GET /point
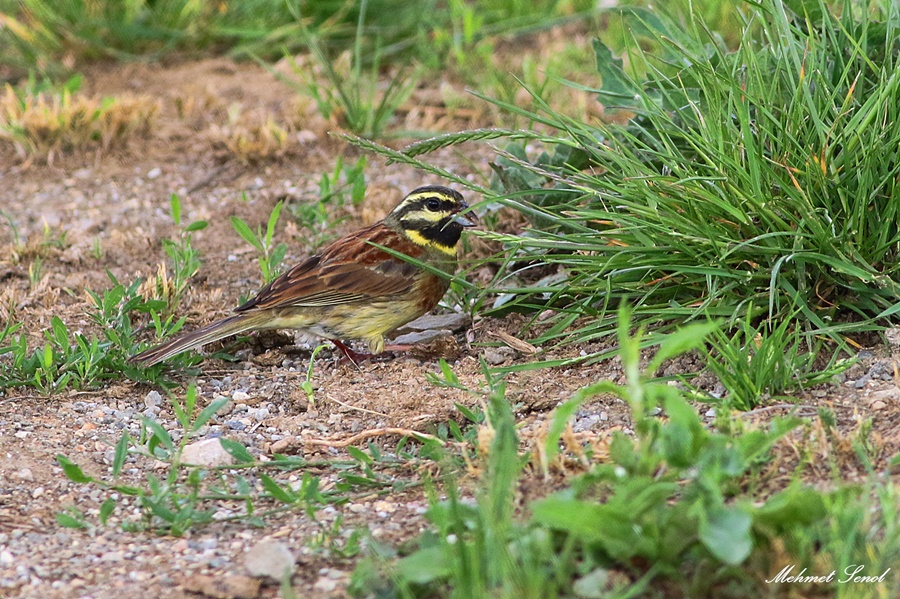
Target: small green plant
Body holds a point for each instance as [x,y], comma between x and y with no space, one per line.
[185,260]
[35,272]
[74,360]
[344,186]
[331,540]
[760,362]
[354,94]
[97,249]
[270,255]
[307,384]
[186,495]
[673,509]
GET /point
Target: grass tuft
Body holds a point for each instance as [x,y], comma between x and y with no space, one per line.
[762,176]
[46,122]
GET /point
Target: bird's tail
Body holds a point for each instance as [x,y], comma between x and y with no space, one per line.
[214,331]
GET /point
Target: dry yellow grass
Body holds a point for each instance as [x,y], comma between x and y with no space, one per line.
[39,125]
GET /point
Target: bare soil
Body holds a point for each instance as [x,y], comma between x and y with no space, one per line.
[119,199]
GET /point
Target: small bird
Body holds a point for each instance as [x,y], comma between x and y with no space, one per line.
[353,289]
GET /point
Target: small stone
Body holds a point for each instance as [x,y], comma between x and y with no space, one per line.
[271,559]
[208,453]
[385,506]
[452,322]
[419,337]
[284,444]
[37,492]
[22,434]
[877,405]
[153,399]
[604,416]
[889,394]
[153,173]
[497,355]
[7,558]
[240,396]
[228,586]
[112,556]
[25,474]
[326,584]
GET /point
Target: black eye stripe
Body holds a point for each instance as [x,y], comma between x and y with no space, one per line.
[431,205]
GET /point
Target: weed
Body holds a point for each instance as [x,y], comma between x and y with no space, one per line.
[35,272]
[352,91]
[307,384]
[43,123]
[669,510]
[97,249]
[759,362]
[185,261]
[72,359]
[270,256]
[736,181]
[187,496]
[344,187]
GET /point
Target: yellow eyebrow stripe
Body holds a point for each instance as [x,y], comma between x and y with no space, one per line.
[420,239]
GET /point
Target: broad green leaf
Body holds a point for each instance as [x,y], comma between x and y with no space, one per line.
[237,451]
[159,433]
[197,225]
[246,232]
[121,454]
[208,412]
[425,566]
[278,492]
[175,203]
[273,219]
[106,509]
[359,455]
[725,532]
[72,471]
[69,521]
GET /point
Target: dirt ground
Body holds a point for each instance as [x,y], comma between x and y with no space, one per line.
[120,199]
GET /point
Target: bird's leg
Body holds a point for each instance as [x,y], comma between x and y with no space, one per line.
[351,355]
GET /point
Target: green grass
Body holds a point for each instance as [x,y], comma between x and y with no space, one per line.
[72,360]
[47,37]
[182,496]
[760,180]
[676,510]
[270,256]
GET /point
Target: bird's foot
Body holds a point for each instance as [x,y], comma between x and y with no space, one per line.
[355,358]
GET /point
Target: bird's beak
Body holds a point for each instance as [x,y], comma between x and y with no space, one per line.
[468,219]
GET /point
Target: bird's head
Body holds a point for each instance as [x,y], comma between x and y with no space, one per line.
[430,216]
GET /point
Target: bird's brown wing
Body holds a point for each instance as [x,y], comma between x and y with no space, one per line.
[348,270]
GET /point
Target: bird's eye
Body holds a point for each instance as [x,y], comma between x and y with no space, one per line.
[433,204]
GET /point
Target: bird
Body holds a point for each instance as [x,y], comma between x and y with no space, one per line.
[354,289]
